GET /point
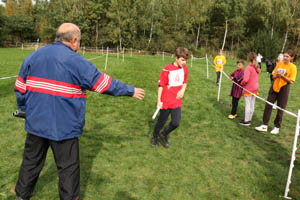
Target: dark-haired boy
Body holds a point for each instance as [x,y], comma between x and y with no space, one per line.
[171,87]
[236,91]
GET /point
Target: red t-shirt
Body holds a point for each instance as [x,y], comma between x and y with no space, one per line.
[171,79]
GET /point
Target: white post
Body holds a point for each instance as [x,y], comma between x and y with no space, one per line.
[130,52]
[22,46]
[220,82]
[36,46]
[123,54]
[206,66]
[106,59]
[102,50]
[38,42]
[96,49]
[287,188]
[163,57]
[192,60]
[118,52]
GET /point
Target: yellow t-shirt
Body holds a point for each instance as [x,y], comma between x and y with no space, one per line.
[219,62]
[289,71]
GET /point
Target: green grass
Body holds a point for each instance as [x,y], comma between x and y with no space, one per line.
[210,156]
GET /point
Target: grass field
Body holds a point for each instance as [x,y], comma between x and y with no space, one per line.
[210,157]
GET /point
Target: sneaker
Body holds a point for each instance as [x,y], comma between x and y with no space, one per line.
[154,142]
[243,123]
[232,116]
[275,131]
[164,140]
[262,128]
[274,107]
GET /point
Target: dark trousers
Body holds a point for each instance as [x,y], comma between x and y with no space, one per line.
[163,117]
[282,99]
[66,155]
[235,103]
[218,76]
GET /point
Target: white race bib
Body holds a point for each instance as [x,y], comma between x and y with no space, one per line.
[176,77]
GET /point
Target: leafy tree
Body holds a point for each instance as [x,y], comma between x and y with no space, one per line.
[10,8]
[21,28]
[3,33]
[267,46]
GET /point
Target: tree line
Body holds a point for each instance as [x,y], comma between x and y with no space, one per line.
[240,26]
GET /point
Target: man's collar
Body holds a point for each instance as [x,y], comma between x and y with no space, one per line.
[61,43]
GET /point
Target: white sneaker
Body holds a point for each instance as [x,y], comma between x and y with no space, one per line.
[274,107]
[275,131]
[262,128]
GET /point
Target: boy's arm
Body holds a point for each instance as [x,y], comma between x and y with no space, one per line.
[240,77]
[159,104]
[181,92]
[232,75]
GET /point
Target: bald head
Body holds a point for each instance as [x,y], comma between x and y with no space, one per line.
[67,31]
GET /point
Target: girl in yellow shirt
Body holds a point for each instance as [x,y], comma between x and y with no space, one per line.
[219,62]
[284,75]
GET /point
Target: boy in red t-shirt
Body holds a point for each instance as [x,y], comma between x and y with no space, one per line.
[171,87]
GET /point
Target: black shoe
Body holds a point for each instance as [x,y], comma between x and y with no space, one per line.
[164,140]
[154,142]
[243,123]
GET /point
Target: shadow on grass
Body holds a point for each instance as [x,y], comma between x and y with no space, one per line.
[122,195]
[91,145]
[151,125]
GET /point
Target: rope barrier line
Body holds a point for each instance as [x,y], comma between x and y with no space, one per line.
[95,58]
[8,77]
[195,58]
[286,111]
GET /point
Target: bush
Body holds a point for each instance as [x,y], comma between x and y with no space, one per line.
[261,43]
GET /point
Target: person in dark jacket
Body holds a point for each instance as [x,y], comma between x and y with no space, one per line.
[271,66]
[51,90]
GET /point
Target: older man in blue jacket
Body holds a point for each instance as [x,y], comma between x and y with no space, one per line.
[51,90]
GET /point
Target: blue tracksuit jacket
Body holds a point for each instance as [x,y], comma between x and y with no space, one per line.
[51,89]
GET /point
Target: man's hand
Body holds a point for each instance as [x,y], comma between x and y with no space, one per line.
[138,93]
[180,94]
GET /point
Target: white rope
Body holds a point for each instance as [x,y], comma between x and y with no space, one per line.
[195,58]
[95,58]
[8,77]
[274,105]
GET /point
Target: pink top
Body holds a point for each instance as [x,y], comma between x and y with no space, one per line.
[250,81]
